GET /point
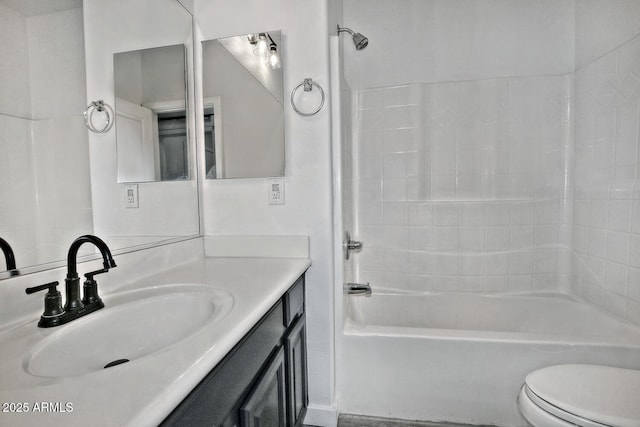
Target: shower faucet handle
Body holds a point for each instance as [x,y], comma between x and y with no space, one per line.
[354,245]
[351,245]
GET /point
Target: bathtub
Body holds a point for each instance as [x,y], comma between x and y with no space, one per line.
[463,357]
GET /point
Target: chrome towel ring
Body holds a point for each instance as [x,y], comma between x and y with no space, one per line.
[101,107]
[308,85]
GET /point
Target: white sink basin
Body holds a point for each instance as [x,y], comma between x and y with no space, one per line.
[133,325]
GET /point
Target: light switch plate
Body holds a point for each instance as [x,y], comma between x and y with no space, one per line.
[275,191]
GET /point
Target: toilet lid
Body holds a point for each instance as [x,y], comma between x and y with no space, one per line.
[603,394]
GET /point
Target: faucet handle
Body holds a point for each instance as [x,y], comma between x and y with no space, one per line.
[90,289]
[52,304]
[51,286]
[89,275]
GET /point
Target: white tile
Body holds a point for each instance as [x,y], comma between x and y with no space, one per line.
[471,264]
[395,237]
[546,235]
[421,238]
[523,282]
[634,251]
[446,264]
[522,213]
[616,278]
[635,218]
[446,214]
[597,242]
[618,247]
[471,283]
[472,214]
[521,262]
[394,189]
[446,238]
[497,214]
[394,165]
[443,187]
[420,263]
[497,238]
[619,215]
[615,304]
[471,238]
[497,264]
[420,214]
[394,213]
[545,261]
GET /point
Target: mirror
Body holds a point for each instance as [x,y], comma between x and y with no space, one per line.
[243,106]
[59,180]
[151,116]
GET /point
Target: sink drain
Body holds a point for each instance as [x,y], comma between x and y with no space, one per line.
[115,362]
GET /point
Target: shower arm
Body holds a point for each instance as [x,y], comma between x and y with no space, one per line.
[344,30]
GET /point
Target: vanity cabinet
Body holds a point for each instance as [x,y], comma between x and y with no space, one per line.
[262,381]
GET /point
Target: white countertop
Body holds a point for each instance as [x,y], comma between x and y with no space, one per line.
[144,391]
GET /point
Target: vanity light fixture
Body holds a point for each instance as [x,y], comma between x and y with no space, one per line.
[264,46]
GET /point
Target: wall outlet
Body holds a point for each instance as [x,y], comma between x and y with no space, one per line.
[275,191]
[131,196]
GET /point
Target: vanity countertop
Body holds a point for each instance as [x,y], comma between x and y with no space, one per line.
[144,391]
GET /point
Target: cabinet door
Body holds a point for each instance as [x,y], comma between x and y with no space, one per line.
[266,406]
[295,345]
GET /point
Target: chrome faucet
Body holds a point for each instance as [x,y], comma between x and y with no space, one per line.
[9,257]
[357,289]
[54,314]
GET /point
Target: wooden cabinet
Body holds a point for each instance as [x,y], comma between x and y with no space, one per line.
[262,382]
[296,349]
[266,405]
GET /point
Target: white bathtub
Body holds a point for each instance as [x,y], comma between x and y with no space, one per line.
[463,357]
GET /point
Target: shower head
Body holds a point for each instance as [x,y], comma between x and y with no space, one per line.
[358,39]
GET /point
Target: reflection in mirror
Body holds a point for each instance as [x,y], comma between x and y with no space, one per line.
[45,194]
[151,116]
[243,106]
[58,180]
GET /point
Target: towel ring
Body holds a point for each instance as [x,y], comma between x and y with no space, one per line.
[101,107]
[308,85]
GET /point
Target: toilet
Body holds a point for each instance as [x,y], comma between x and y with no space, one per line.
[581,395]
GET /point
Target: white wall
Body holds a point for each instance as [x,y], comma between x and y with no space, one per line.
[239,206]
[606,240]
[602,26]
[415,41]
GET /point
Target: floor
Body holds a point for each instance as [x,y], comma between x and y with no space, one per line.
[362,421]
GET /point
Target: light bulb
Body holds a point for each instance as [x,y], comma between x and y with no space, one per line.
[274,58]
[261,47]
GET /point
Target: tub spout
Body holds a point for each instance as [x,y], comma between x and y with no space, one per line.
[357,289]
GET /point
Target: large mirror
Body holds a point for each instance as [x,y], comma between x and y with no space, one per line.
[151,116]
[243,106]
[58,180]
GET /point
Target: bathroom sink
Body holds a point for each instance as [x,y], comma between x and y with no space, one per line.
[133,325]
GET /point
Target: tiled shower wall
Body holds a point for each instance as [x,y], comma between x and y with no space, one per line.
[461,186]
[606,237]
